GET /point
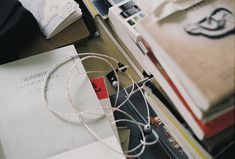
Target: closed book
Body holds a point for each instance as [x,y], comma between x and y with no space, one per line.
[196,49]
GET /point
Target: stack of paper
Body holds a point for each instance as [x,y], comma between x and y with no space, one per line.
[53,15]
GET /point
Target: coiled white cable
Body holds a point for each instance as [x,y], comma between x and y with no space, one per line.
[97,112]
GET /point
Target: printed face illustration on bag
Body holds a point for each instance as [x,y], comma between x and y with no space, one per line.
[219,24]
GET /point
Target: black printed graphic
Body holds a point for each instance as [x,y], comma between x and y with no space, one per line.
[129,9]
[97,89]
[218,24]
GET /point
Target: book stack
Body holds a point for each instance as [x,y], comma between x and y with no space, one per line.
[188,47]
[123,17]
[191,55]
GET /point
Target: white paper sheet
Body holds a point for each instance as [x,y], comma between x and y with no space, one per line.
[28,130]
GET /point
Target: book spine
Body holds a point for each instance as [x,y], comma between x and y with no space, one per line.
[101,7]
[90,7]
